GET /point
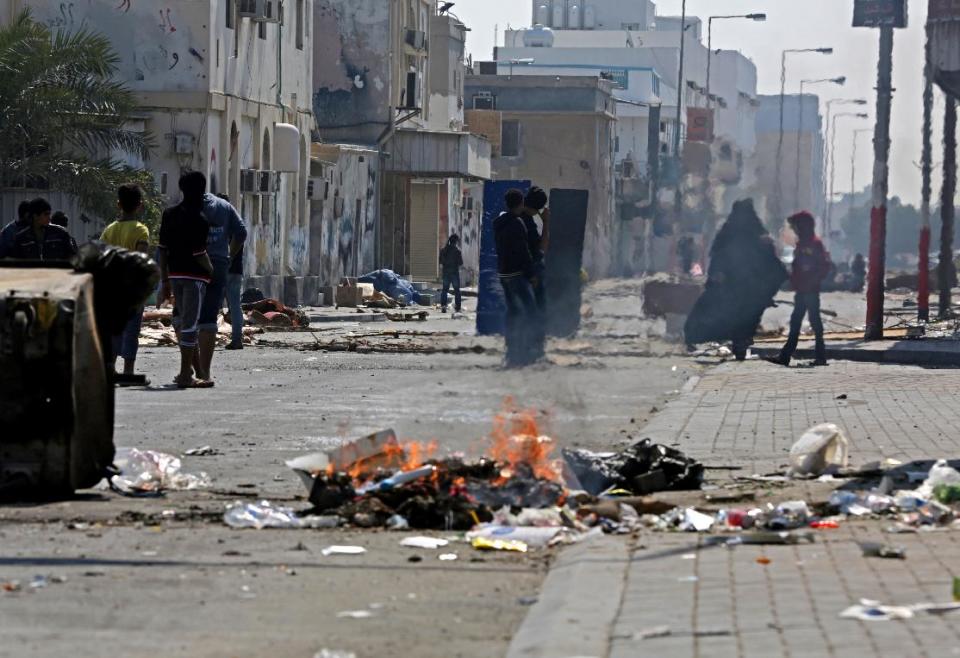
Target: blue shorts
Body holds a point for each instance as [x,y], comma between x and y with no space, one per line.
[213,299]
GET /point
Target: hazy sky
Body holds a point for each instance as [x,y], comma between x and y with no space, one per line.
[793,24]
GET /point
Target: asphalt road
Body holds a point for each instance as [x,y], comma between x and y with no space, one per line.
[167,577]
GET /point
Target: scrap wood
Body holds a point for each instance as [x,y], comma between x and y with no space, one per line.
[419,316]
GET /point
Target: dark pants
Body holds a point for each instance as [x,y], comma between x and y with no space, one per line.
[522,336]
[127,343]
[451,279]
[540,327]
[805,303]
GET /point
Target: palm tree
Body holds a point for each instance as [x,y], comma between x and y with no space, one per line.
[63,116]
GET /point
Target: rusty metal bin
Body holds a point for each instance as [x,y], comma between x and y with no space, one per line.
[56,399]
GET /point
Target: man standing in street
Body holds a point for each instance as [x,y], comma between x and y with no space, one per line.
[185,270]
[811,265]
[451,260]
[234,293]
[225,240]
[14,227]
[538,239]
[131,234]
[41,240]
[515,267]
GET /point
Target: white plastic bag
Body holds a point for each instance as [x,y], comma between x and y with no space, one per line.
[821,449]
[941,473]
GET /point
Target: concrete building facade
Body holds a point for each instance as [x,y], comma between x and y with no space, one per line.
[225,93]
[558,132]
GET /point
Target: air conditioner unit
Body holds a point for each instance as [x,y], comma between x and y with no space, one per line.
[315,188]
[249,181]
[259,11]
[417,39]
[484,101]
[268,182]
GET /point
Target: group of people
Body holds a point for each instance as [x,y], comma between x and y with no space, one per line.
[522,243]
[746,273]
[200,254]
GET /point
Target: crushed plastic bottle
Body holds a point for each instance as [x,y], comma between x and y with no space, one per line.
[261,515]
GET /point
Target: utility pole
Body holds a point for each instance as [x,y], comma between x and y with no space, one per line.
[681,89]
[946,270]
[923,284]
[881,183]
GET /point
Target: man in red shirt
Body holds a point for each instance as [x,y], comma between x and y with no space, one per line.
[811,265]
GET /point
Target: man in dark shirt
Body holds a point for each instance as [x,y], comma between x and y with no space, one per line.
[451,260]
[535,204]
[14,227]
[41,240]
[185,270]
[516,270]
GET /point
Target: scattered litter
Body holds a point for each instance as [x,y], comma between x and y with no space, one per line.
[766,539]
[874,611]
[449,557]
[203,451]
[652,633]
[531,537]
[397,522]
[355,614]
[11,586]
[875,549]
[343,550]
[687,579]
[483,544]
[527,600]
[821,449]
[261,515]
[694,521]
[330,653]
[764,560]
[956,589]
[641,469]
[148,472]
[429,543]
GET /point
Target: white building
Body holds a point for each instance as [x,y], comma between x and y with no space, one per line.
[225,93]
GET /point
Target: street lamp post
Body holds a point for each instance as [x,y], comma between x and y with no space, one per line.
[778,191]
[828,138]
[678,195]
[833,159]
[840,81]
[753,17]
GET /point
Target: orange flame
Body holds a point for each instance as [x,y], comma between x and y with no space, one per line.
[516,439]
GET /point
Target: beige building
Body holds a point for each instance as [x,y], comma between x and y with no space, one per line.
[226,92]
[557,132]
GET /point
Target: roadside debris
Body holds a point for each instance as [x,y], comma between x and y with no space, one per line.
[869,610]
[875,549]
[429,543]
[148,472]
[261,515]
[641,469]
[823,449]
[330,653]
[343,550]
[203,451]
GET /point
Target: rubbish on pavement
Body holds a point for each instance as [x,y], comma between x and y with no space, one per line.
[941,475]
[330,653]
[869,610]
[484,544]
[355,614]
[652,632]
[947,493]
[449,557]
[151,472]
[343,550]
[430,543]
[10,586]
[530,536]
[876,549]
[764,560]
[694,521]
[821,449]
[766,539]
[643,468]
[261,515]
[397,522]
[956,589]
[203,451]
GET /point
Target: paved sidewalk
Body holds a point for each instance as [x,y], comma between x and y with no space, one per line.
[720,601]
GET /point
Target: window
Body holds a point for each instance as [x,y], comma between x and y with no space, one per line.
[262,30]
[300,24]
[510,146]
[231,21]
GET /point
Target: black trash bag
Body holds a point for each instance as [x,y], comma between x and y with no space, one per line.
[643,468]
[252,296]
[122,282]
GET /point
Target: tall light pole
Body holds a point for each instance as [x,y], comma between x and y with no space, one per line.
[840,81]
[678,197]
[829,140]
[778,190]
[752,17]
[923,283]
[833,158]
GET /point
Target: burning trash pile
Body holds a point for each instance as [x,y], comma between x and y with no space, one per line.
[517,496]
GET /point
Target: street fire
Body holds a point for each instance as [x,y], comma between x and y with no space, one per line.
[380,478]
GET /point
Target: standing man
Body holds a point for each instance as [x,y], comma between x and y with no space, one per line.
[516,269]
[41,240]
[538,239]
[14,227]
[234,292]
[811,265]
[225,240]
[451,260]
[130,234]
[185,270]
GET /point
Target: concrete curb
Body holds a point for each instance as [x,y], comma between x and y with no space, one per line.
[578,604]
[915,356]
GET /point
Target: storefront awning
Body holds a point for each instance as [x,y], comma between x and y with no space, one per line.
[435,154]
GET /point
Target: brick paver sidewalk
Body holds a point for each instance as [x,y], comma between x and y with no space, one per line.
[722,602]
